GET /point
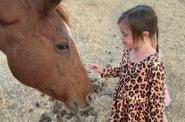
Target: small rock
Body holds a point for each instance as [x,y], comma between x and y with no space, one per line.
[51,99]
[110,60]
[45,118]
[60,115]
[93,80]
[30,110]
[97,88]
[42,94]
[57,107]
[37,104]
[76,119]
[108,66]
[88,112]
[69,115]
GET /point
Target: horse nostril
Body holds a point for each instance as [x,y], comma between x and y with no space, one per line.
[90,98]
[76,104]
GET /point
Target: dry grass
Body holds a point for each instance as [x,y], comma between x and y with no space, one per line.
[97,39]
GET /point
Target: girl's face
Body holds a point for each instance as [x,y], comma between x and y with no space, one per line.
[126,35]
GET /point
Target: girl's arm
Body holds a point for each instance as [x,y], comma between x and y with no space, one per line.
[109,71]
[157,94]
[106,72]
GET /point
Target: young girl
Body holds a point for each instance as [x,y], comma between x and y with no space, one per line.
[140,92]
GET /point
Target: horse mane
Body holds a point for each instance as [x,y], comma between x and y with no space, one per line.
[63,13]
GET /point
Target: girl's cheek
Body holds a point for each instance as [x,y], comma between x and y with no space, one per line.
[121,37]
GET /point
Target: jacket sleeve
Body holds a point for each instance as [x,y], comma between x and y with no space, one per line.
[157,93]
[111,72]
[115,71]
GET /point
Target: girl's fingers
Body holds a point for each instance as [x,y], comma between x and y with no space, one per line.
[93,66]
[96,67]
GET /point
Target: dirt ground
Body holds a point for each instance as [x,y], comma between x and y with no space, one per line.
[97,39]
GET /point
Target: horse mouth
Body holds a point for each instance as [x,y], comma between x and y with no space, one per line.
[73,107]
[76,106]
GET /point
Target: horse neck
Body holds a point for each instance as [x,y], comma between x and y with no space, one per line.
[2,45]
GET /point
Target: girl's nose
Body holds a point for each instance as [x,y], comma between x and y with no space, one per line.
[122,38]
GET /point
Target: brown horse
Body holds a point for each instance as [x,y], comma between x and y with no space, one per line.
[35,36]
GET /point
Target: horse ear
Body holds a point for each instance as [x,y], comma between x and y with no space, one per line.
[47,6]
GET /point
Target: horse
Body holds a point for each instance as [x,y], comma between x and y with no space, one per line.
[36,38]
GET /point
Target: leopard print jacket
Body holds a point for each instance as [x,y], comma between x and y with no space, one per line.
[139,95]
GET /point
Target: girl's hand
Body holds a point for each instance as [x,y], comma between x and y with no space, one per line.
[97,68]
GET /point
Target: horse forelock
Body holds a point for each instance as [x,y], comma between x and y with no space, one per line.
[63,13]
[60,9]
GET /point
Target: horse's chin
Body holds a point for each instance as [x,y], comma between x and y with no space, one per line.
[75,107]
[72,108]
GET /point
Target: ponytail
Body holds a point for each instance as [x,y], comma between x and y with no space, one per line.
[157,45]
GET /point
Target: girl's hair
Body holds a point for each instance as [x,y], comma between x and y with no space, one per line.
[139,19]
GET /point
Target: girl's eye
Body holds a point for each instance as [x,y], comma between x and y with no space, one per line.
[125,35]
[62,47]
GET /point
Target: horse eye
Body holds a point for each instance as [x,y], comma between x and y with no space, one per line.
[4,23]
[62,47]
